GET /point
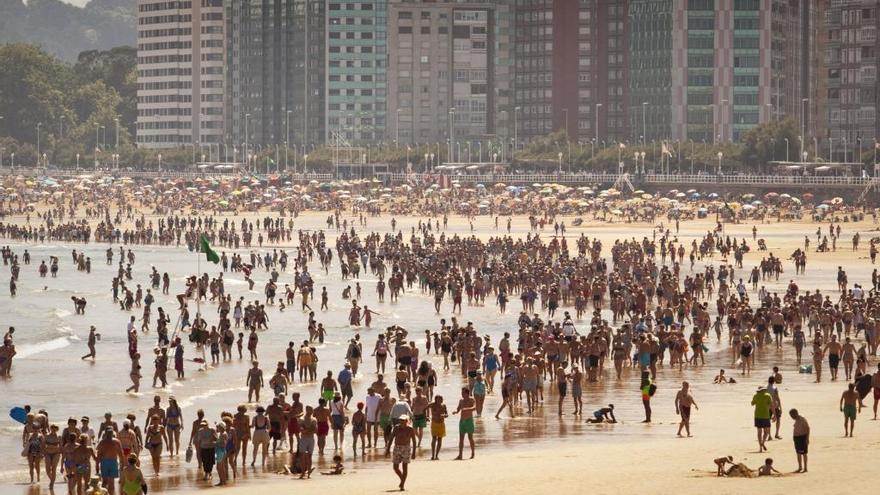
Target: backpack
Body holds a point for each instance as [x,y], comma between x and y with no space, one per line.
[652,389]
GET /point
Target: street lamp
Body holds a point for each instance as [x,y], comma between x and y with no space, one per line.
[515,130]
[159,157]
[431,158]
[642,155]
[39,124]
[287,137]
[77,161]
[786,150]
[12,163]
[560,161]
[305,163]
[116,120]
[247,117]
[451,132]
[720,156]
[61,127]
[397,129]
[596,111]
[644,122]
[426,162]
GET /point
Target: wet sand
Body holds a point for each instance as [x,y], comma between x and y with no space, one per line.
[50,338]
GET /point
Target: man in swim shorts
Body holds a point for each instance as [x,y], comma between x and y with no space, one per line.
[109,453]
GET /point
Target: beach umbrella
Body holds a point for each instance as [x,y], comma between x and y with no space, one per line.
[807,196]
[713,196]
[837,201]
[823,207]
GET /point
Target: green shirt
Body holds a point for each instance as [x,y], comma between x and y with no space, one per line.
[762,400]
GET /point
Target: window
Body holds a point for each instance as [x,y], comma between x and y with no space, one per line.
[426,30]
[404,15]
[404,29]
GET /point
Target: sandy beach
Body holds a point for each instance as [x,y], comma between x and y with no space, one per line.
[537,454]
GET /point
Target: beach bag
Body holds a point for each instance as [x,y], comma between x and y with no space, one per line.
[189,453]
[705,348]
[806,369]
[652,389]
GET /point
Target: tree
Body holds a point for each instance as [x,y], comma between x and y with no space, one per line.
[767,142]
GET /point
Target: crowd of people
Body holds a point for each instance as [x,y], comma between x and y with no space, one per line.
[589,314]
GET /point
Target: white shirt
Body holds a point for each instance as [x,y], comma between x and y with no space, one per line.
[372,408]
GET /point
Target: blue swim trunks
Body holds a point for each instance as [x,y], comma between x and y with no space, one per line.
[109,468]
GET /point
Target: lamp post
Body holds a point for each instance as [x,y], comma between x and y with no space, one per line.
[720,156]
[451,132]
[480,150]
[286,137]
[844,149]
[397,129]
[692,156]
[39,124]
[12,161]
[644,122]
[596,111]
[426,162]
[515,135]
[431,160]
[786,150]
[159,157]
[560,162]
[77,161]
[643,155]
[116,121]
[247,117]
[305,163]
[61,127]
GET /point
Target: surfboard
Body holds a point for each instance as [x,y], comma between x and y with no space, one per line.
[18,414]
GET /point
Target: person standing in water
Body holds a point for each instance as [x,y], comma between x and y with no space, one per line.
[92,340]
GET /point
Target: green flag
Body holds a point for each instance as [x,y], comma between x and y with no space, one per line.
[210,254]
[728,209]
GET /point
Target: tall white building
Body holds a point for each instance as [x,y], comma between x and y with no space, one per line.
[180,73]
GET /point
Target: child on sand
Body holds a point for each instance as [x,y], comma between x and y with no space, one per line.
[337,466]
[767,469]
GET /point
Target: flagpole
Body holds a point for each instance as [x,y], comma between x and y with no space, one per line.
[198,316]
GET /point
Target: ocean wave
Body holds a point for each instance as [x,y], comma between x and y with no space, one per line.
[28,350]
[188,402]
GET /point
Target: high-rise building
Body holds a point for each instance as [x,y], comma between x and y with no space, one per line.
[180,73]
[356,62]
[276,72]
[444,76]
[738,63]
[650,74]
[572,68]
[851,59]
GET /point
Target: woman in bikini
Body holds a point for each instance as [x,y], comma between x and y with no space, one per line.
[173,425]
[52,452]
[34,449]
[154,437]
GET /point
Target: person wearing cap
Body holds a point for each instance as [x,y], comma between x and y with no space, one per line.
[344,379]
[95,487]
[403,440]
[92,340]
